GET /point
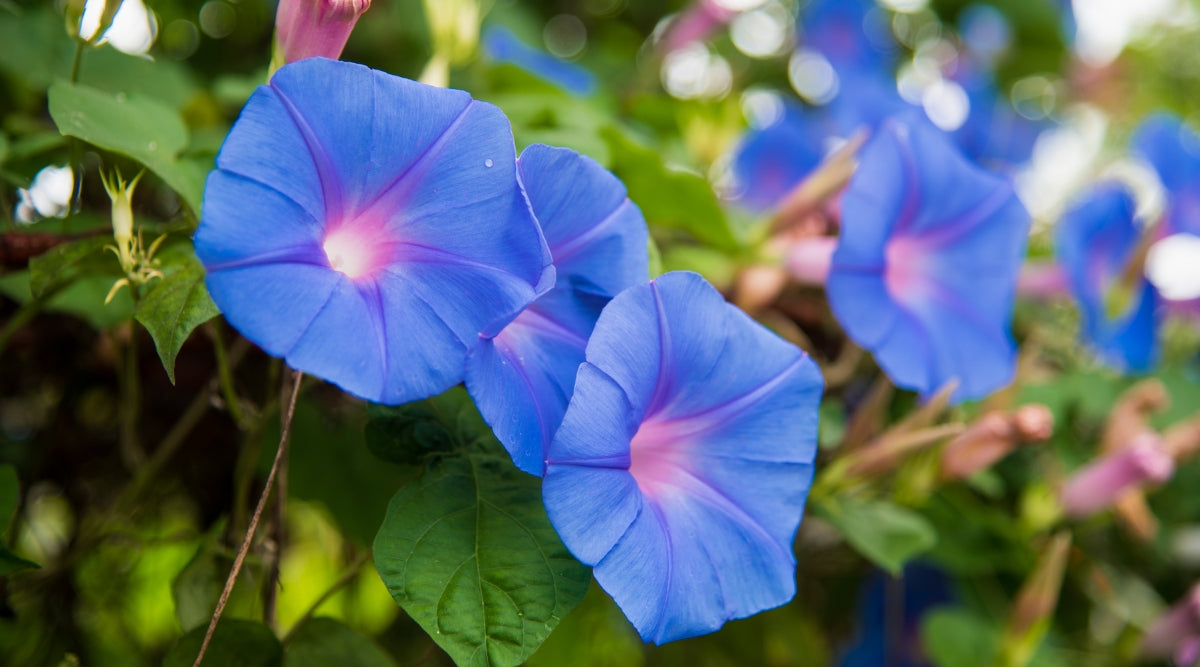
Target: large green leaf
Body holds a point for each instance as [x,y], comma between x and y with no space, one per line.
[137,126]
[324,642]
[887,534]
[670,198]
[11,563]
[468,551]
[173,307]
[236,643]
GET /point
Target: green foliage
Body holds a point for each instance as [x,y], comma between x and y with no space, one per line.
[468,551]
[886,534]
[133,125]
[236,643]
[324,642]
[173,307]
[9,499]
[65,263]
[670,198]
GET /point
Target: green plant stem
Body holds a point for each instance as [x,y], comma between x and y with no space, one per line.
[280,455]
[225,375]
[344,580]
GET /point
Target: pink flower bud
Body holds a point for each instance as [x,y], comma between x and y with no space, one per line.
[309,28]
[1099,484]
[696,24]
[1176,631]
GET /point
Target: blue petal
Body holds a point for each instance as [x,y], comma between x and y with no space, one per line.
[959,235]
[850,33]
[772,161]
[596,235]
[1172,148]
[727,412]
[305,289]
[229,239]
[501,45]
[1095,239]
[344,343]
[522,379]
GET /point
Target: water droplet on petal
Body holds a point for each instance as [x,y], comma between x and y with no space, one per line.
[488,163]
[153,145]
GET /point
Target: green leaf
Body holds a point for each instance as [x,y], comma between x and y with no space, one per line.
[886,534]
[134,125]
[173,307]
[11,563]
[236,643]
[10,496]
[468,551]
[63,264]
[670,198]
[954,637]
[324,642]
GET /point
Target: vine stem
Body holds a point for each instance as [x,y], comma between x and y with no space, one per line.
[280,454]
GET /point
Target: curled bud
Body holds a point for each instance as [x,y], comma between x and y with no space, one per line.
[1100,483]
[993,437]
[1177,628]
[310,28]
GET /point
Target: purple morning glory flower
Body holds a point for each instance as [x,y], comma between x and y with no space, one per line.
[522,378]
[368,228]
[1173,149]
[925,270]
[1094,242]
[502,46]
[682,465]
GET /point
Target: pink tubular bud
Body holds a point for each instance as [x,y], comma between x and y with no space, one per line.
[809,259]
[1098,484]
[992,437]
[310,28]
[696,24]
[1176,630]
[1043,281]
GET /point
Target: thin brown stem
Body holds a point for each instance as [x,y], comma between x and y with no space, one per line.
[280,453]
[278,529]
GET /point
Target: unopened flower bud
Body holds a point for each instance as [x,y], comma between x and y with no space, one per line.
[993,437]
[127,25]
[311,28]
[48,195]
[121,194]
[1172,631]
[1100,483]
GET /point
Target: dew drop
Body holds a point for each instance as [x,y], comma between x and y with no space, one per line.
[153,145]
[488,163]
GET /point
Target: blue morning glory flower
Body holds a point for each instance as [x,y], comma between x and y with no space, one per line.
[994,134]
[1173,149]
[851,34]
[1094,242]
[771,161]
[682,465]
[522,378]
[368,228]
[502,46]
[925,270]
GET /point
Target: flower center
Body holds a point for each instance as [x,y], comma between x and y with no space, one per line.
[656,455]
[356,249]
